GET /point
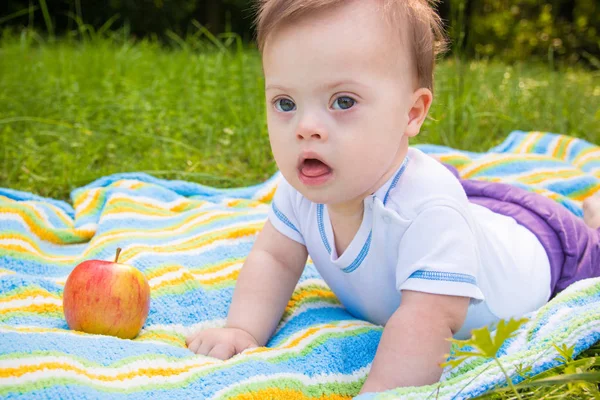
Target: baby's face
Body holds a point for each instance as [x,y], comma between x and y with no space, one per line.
[338,93]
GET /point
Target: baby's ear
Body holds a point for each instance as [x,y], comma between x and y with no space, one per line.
[421,101]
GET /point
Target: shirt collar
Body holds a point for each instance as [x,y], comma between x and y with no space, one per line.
[383,192]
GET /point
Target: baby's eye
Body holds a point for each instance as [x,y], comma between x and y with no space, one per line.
[284,105]
[343,103]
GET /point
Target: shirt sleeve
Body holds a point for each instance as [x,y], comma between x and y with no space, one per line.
[283,213]
[438,254]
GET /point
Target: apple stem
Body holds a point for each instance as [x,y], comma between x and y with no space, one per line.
[118,253]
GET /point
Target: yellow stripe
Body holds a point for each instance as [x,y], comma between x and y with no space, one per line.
[34,309]
[175,281]
[195,242]
[173,339]
[29,292]
[539,177]
[115,204]
[534,140]
[561,147]
[268,197]
[302,295]
[21,249]
[308,332]
[525,144]
[137,185]
[233,275]
[216,268]
[43,230]
[91,205]
[288,394]
[62,366]
[171,228]
[584,195]
[6,271]
[163,270]
[500,160]
[192,243]
[584,154]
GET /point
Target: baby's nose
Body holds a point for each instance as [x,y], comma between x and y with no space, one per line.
[309,135]
[312,131]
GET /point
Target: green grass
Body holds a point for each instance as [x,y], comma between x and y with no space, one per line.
[71,112]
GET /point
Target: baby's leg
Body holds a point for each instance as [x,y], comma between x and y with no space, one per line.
[591,211]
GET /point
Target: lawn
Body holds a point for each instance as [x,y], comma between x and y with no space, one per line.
[73,111]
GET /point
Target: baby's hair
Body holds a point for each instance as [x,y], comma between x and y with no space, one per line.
[426,34]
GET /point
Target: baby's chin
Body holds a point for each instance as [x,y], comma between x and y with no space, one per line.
[330,194]
[323,194]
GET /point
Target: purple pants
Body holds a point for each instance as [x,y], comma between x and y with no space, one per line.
[573,247]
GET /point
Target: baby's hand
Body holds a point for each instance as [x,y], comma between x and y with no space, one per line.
[220,343]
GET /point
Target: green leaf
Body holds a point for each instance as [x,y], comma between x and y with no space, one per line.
[483,343]
[566,353]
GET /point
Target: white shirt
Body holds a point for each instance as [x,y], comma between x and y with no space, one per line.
[419,232]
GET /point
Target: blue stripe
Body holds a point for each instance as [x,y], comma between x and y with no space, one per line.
[443,276]
[361,256]
[396,178]
[322,227]
[283,218]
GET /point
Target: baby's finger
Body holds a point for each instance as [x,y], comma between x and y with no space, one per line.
[244,344]
[222,351]
[195,344]
[190,338]
[205,347]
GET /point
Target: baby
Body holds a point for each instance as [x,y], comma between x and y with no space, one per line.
[399,238]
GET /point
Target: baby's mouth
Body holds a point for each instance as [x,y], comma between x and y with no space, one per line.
[311,167]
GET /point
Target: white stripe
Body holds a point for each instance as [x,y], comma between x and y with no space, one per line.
[90,226]
[62,213]
[552,146]
[223,272]
[167,230]
[199,275]
[29,301]
[307,307]
[143,200]
[195,251]
[41,211]
[583,159]
[527,142]
[55,258]
[186,330]
[18,242]
[171,275]
[89,196]
[15,217]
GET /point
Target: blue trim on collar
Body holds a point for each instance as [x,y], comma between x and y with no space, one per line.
[361,256]
[396,178]
[322,227]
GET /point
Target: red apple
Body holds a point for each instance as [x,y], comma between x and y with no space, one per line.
[106,298]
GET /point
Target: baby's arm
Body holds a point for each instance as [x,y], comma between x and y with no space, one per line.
[264,286]
[415,341]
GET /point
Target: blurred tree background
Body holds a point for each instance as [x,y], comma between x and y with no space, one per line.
[559,31]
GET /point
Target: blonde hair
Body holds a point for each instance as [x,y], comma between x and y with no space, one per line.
[426,34]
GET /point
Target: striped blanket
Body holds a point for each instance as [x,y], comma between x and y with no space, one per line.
[191,240]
